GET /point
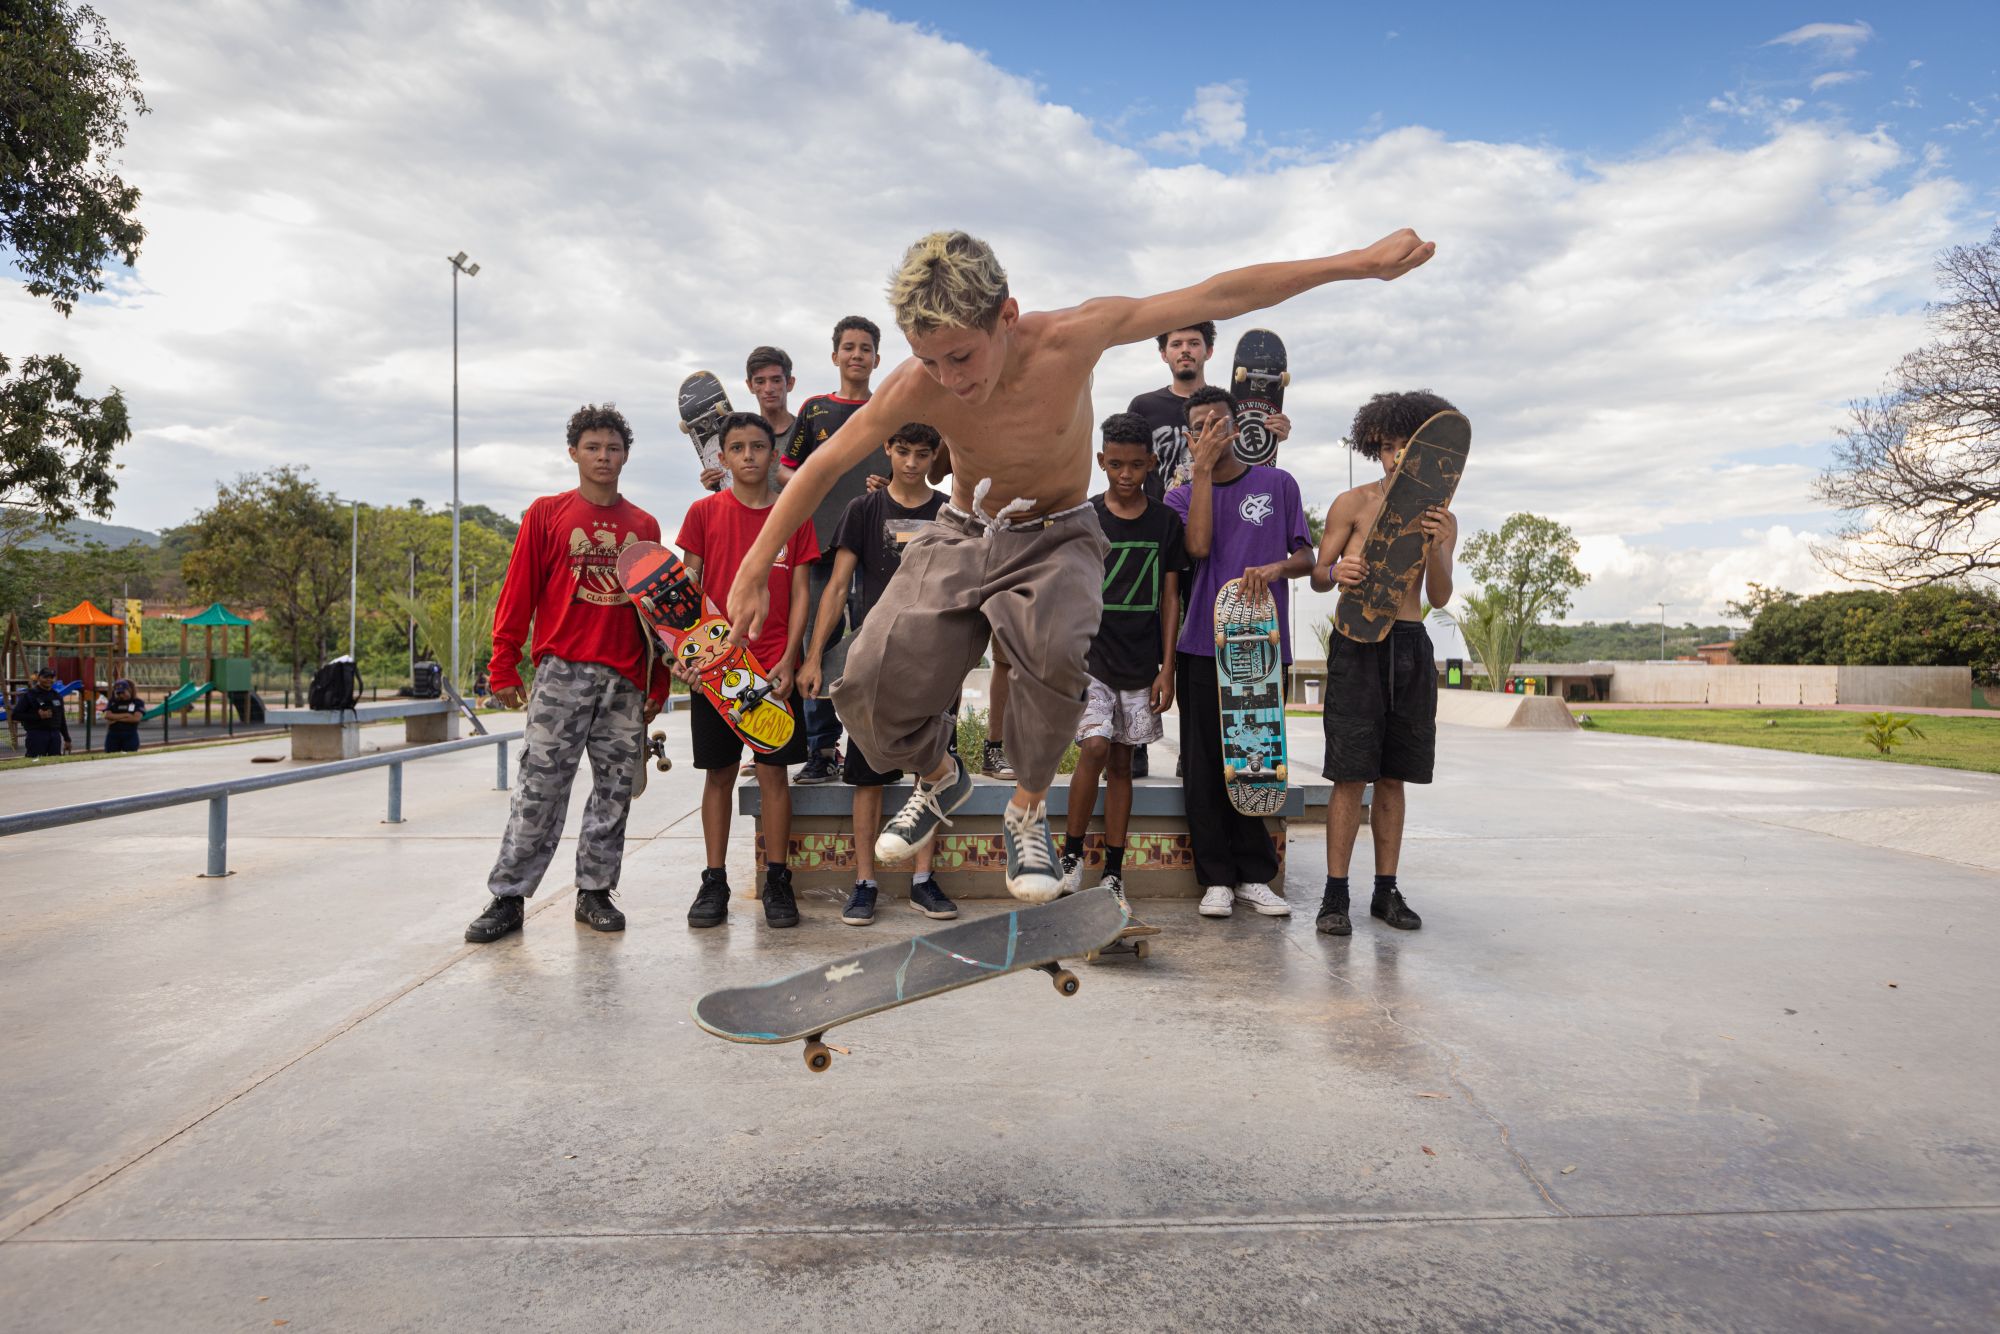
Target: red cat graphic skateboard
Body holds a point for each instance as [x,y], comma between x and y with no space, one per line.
[696,636]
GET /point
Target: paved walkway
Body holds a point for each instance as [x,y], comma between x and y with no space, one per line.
[1654,1062]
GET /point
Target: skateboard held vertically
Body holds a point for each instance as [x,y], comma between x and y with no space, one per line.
[1249,674]
[696,637]
[805,1005]
[1425,477]
[1258,382]
[703,405]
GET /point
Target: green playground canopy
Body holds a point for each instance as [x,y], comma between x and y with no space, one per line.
[216,614]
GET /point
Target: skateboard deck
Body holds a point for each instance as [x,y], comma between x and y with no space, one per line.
[696,636]
[1258,382]
[652,747]
[806,1004]
[1249,667]
[1425,477]
[703,406]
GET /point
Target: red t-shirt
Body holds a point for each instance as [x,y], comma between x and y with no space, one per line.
[720,529]
[563,576]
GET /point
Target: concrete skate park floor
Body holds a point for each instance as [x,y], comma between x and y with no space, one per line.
[1643,1068]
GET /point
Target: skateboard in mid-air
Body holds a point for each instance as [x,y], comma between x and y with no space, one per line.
[1426,477]
[805,1005]
[1249,673]
[1259,382]
[696,636]
[703,406]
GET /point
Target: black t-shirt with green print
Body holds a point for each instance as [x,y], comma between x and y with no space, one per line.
[1126,653]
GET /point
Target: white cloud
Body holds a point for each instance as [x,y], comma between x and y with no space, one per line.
[1215,120]
[1837,40]
[1833,78]
[1644,343]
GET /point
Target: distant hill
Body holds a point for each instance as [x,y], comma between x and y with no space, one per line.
[77,532]
[1626,641]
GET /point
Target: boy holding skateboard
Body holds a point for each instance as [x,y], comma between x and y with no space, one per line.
[1016,554]
[873,532]
[1381,698]
[767,373]
[1131,662]
[1243,523]
[594,691]
[719,531]
[856,355]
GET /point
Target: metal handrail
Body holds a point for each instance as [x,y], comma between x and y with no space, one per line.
[217,795]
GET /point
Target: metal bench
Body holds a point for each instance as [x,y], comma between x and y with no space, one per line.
[328,734]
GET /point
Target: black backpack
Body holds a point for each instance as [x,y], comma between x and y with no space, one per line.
[335,686]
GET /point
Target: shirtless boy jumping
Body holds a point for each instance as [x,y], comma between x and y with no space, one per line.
[1017,553]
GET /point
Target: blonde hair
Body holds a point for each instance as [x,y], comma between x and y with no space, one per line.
[947,280]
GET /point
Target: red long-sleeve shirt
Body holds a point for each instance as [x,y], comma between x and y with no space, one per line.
[563,576]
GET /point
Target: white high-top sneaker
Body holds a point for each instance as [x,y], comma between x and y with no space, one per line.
[1263,900]
[1217,902]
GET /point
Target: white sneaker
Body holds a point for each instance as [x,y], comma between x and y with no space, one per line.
[1263,900]
[1072,875]
[1217,902]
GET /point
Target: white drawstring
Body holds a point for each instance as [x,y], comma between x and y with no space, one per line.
[998,522]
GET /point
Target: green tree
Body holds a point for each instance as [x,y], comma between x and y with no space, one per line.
[394,539]
[276,540]
[65,91]
[1529,576]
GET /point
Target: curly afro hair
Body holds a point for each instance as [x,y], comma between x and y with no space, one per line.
[596,417]
[1127,428]
[1387,420]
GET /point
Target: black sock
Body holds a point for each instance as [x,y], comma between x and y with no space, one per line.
[1336,894]
[1072,846]
[774,869]
[1114,861]
[1385,885]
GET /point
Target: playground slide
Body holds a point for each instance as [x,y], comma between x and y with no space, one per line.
[249,705]
[180,699]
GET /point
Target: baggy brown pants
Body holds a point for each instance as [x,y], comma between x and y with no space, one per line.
[1038,591]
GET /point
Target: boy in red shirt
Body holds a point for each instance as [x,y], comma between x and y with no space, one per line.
[717,532]
[595,689]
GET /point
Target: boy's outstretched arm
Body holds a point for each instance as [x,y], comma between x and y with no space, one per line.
[1118,320]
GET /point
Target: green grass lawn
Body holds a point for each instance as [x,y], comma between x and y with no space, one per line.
[1950,743]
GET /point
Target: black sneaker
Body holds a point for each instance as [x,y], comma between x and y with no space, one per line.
[994,764]
[1141,766]
[780,908]
[594,906]
[823,767]
[711,902]
[860,909]
[1393,911]
[928,899]
[503,915]
[1333,920]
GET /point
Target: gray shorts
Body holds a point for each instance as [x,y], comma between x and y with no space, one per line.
[1122,717]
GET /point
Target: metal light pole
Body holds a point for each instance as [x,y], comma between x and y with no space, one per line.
[1663,630]
[353,580]
[458,266]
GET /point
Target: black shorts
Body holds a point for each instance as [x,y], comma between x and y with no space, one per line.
[716,745]
[856,771]
[1381,707]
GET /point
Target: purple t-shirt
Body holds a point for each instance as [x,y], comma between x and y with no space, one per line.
[1259,519]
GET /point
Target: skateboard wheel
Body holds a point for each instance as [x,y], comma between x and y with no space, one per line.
[1242,374]
[1284,377]
[1221,640]
[1273,635]
[1142,947]
[663,764]
[818,1058]
[686,429]
[1228,773]
[1279,774]
[1066,982]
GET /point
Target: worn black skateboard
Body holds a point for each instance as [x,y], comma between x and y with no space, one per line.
[1259,382]
[703,405]
[1426,477]
[805,1005]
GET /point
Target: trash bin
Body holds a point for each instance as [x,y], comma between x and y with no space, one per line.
[1314,685]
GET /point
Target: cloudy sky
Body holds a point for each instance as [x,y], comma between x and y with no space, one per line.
[1670,248]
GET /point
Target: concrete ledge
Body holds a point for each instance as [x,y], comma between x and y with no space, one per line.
[335,734]
[971,856]
[1483,708]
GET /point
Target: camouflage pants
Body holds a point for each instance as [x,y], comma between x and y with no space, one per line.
[574,707]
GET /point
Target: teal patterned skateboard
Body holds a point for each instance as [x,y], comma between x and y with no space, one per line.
[805,1005]
[1249,670]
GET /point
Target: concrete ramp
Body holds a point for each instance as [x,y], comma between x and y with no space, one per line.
[1483,708]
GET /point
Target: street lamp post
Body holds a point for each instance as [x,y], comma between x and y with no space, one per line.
[1663,630]
[458,266]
